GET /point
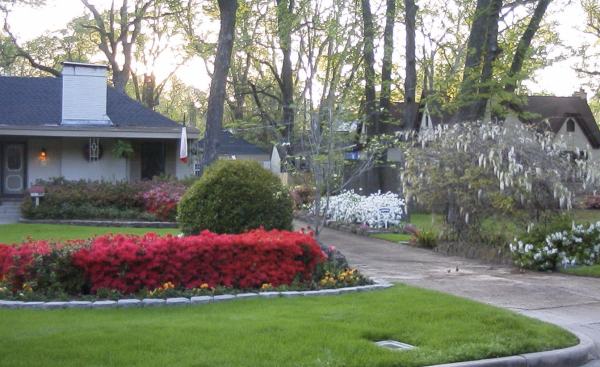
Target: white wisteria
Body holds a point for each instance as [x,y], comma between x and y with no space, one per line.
[475,169]
[376,210]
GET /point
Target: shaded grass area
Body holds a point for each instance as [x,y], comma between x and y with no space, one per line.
[423,221]
[319,331]
[584,271]
[16,233]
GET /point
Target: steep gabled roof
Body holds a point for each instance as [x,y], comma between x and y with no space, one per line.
[556,110]
[38,102]
[230,145]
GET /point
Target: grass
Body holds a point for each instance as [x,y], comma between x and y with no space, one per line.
[584,271]
[319,331]
[16,233]
[423,221]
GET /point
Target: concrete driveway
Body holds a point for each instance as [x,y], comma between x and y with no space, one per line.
[568,301]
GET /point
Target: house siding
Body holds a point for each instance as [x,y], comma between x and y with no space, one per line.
[65,158]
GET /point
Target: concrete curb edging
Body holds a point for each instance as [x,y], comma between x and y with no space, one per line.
[574,356]
[183,301]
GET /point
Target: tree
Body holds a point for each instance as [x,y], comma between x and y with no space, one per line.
[370,107]
[285,25]
[410,81]
[470,171]
[216,97]
[387,62]
[524,45]
[118,32]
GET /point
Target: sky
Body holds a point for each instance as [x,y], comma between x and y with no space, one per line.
[559,79]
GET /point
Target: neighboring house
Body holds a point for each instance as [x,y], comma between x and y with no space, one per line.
[570,118]
[232,147]
[69,127]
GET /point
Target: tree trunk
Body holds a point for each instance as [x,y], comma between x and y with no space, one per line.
[216,98]
[472,70]
[524,44]
[491,53]
[410,81]
[285,10]
[386,67]
[369,67]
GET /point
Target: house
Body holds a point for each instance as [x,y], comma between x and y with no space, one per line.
[231,147]
[77,127]
[569,118]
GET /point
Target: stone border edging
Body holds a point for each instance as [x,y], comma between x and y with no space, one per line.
[574,356]
[101,223]
[183,301]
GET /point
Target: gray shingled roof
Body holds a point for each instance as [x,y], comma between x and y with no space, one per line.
[38,102]
[228,144]
[557,109]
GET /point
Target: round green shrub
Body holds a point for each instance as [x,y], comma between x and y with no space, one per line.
[234,197]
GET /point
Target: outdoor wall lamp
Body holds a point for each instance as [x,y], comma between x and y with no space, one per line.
[43,155]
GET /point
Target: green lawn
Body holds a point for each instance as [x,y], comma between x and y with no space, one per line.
[423,221]
[15,233]
[311,331]
[584,271]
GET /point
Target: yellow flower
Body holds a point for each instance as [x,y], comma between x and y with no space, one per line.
[204,286]
[266,286]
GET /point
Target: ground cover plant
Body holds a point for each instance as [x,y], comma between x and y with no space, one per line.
[233,197]
[131,264]
[143,200]
[307,331]
[17,233]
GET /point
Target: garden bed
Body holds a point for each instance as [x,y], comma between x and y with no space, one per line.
[150,266]
[281,332]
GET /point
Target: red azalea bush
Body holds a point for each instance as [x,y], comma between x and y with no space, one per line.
[162,199]
[129,264]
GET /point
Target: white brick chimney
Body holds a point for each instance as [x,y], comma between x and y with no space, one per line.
[84,94]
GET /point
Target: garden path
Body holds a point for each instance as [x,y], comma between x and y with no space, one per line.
[569,301]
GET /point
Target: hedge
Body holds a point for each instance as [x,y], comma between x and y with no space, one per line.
[129,264]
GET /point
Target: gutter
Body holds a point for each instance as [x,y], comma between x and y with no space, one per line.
[98,132]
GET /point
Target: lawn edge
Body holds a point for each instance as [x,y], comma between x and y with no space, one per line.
[183,301]
[574,356]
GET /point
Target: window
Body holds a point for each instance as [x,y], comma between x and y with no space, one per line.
[570,125]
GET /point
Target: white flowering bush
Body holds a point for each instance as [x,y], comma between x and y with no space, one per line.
[472,171]
[376,210]
[579,245]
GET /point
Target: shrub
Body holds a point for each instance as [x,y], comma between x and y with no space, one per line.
[349,207]
[481,169]
[233,197]
[162,200]
[578,245]
[143,200]
[130,264]
[427,239]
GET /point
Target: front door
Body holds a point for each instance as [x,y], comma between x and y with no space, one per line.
[13,169]
[153,159]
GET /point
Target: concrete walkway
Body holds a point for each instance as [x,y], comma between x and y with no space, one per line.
[568,301]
